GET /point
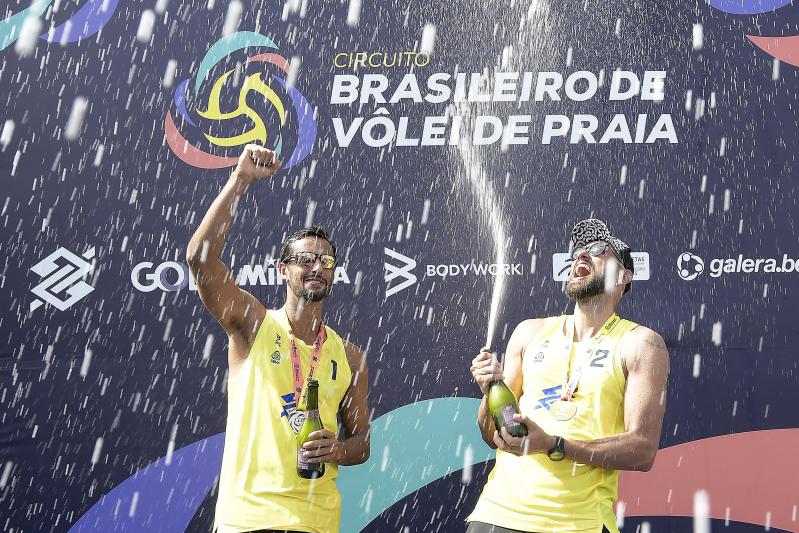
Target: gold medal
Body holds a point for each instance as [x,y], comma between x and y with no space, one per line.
[563,410]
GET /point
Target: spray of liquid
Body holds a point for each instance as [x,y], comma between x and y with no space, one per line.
[534,27]
[488,204]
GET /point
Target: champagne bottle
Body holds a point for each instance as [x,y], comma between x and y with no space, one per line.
[312,423]
[503,405]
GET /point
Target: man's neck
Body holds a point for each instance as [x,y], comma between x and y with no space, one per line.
[304,317]
[590,315]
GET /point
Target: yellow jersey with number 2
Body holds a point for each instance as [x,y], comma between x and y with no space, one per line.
[534,493]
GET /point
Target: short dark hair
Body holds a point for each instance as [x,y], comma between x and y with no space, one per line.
[310,231]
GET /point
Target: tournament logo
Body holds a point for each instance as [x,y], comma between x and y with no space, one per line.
[785,48]
[215,150]
[85,22]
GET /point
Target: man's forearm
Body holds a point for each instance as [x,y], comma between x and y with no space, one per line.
[355,450]
[626,451]
[210,237]
[486,423]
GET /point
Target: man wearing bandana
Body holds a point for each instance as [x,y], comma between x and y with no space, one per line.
[272,353]
[592,394]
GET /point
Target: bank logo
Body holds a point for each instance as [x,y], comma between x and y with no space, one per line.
[689,266]
[215,114]
[403,271]
[562,264]
[62,285]
[785,48]
[85,22]
[551,395]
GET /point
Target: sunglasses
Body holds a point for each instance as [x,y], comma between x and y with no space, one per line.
[308,260]
[594,250]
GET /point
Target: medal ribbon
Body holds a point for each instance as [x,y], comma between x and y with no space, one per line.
[570,382]
[296,363]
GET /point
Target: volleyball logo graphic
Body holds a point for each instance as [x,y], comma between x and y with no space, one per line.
[258,130]
[85,22]
[782,47]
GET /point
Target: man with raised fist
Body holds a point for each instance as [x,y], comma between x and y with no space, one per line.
[271,355]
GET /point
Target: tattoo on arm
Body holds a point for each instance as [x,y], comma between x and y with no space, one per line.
[652,344]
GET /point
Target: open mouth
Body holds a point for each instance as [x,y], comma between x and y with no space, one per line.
[581,270]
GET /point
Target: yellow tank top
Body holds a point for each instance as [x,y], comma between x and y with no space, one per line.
[259,487]
[534,493]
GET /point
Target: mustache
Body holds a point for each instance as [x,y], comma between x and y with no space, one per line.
[315,278]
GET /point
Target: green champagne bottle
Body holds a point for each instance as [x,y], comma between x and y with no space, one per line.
[503,405]
[312,423]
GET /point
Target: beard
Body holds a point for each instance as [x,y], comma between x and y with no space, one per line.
[594,287]
[310,295]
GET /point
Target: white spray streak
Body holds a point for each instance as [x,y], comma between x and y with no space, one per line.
[146,23]
[76,117]
[7,134]
[488,203]
[28,36]
[232,18]
[701,512]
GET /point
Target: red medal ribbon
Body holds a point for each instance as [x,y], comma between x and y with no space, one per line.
[296,363]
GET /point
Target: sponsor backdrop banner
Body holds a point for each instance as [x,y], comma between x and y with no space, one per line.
[448,146]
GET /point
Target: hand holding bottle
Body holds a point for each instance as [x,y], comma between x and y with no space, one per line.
[535,440]
[322,447]
[486,369]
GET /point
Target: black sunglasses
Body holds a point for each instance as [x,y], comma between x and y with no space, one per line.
[308,260]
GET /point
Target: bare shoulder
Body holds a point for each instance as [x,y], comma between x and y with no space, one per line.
[528,329]
[642,335]
[355,356]
[644,347]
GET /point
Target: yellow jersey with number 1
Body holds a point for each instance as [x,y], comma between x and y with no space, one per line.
[534,493]
[259,487]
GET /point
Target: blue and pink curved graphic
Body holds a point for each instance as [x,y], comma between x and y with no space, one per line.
[785,48]
[85,22]
[446,440]
[304,116]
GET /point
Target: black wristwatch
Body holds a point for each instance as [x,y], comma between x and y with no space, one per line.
[558,452]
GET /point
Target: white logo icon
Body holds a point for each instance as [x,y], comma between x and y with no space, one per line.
[62,279]
[689,266]
[403,271]
[562,263]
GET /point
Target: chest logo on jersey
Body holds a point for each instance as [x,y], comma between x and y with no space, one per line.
[276,358]
[541,353]
[294,417]
[551,395]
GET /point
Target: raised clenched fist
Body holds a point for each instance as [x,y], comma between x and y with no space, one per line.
[257,162]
